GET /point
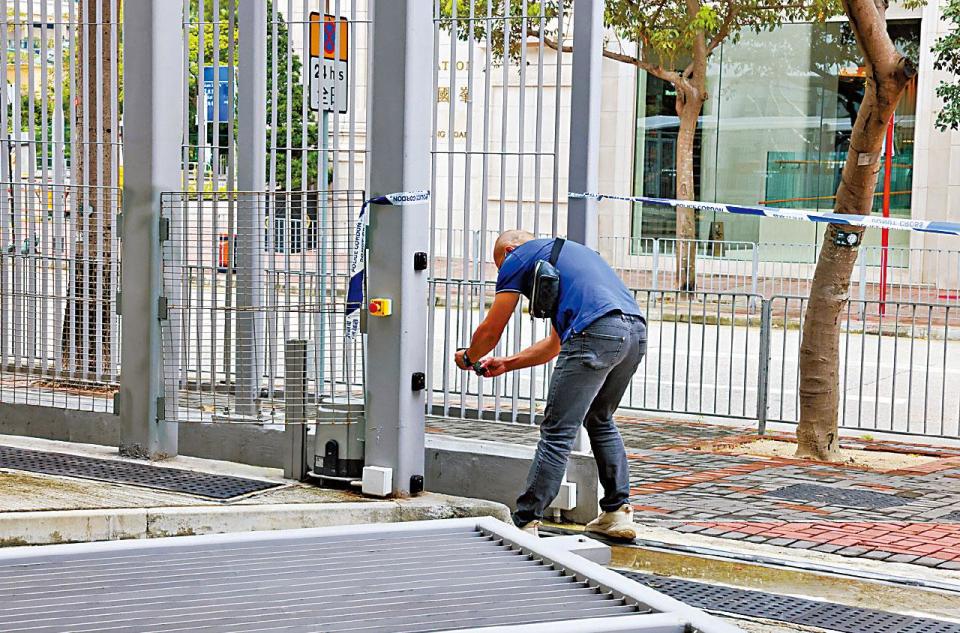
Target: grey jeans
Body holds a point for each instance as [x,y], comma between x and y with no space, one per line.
[592,373]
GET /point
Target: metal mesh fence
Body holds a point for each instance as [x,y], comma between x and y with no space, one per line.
[60,179]
[498,162]
[245,275]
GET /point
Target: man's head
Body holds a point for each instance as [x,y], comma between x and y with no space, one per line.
[508,241]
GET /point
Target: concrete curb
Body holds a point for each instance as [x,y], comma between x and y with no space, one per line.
[83,526]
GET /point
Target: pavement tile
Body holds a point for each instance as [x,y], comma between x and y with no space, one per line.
[902,558]
[726,495]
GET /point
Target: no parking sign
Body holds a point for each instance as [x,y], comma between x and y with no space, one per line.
[329,56]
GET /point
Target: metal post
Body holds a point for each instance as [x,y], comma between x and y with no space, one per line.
[656,266]
[252,208]
[400,106]
[584,175]
[763,375]
[295,408]
[153,62]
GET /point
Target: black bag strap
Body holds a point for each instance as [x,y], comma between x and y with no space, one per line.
[555,253]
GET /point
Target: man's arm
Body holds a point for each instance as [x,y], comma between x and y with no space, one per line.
[539,353]
[488,333]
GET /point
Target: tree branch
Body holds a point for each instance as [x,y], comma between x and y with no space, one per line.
[672,77]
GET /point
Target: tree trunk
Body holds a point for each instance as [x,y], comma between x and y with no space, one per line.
[86,336]
[888,73]
[688,111]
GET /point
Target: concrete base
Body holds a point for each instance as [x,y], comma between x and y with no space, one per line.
[470,468]
[495,471]
[81,526]
[242,443]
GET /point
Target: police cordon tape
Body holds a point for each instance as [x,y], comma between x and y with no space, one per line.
[357,267]
[868,221]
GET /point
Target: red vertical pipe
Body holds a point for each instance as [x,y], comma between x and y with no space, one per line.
[885,233]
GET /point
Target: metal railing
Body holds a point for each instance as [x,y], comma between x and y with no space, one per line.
[236,295]
[894,367]
[913,274]
[731,355]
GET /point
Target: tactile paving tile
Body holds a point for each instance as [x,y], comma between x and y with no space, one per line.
[833,617]
[125,472]
[847,497]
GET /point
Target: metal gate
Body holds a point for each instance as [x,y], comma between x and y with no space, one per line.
[503,95]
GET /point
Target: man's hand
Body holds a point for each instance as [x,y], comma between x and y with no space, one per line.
[494,366]
[458,359]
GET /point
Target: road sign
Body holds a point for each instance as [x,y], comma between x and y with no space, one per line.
[223,96]
[329,68]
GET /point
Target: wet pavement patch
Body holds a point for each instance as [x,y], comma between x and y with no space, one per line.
[132,473]
[758,604]
[844,497]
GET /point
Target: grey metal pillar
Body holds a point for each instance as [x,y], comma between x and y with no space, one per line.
[584,175]
[153,66]
[401,101]
[253,207]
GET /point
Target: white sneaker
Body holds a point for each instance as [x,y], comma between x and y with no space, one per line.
[617,524]
[532,528]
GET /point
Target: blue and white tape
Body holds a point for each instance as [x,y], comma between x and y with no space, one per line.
[869,221]
[357,267]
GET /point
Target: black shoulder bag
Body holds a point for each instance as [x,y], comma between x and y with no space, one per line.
[546,284]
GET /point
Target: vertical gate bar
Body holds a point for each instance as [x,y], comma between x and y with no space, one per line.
[152,49]
[229,313]
[432,239]
[17,130]
[460,377]
[76,190]
[585,101]
[6,236]
[555,198]
[103,218]
[30,214]
[43,261]
[205,245]
[485,183]
[114,183]
[468,240]
[250,178]
[763,375]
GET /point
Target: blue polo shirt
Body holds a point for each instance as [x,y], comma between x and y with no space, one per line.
[589,288]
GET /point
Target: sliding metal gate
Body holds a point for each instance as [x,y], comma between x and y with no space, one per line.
[455,575]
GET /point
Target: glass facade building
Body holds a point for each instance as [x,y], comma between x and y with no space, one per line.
[774,131]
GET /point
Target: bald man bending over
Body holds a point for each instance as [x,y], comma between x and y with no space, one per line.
[600,336]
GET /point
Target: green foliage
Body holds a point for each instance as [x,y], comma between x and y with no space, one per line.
[291,135]
[947,58]
[668,31]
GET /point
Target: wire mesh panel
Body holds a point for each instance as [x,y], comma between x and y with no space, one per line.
[502,105]
[60,169]
[895,373]
[228,332]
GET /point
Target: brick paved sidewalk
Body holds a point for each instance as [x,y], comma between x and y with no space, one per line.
[906,516]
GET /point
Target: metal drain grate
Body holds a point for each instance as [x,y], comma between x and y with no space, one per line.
[412,577]
[953,517]
[133,473]
[833,617]
[846,497]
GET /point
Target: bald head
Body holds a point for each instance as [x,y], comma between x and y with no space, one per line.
[508,241]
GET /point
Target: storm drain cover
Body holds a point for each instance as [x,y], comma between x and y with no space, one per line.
[847,497]
[133,473]
[825,615]
[953,517]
